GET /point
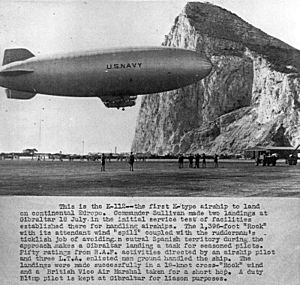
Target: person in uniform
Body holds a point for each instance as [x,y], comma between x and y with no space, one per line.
[180,160]
[257,160]
[216,161]
[103,158]
[131,161]
[191,160]
[203,160]
[197,160]
[264,159]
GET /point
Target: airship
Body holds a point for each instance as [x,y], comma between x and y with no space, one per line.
[116,76]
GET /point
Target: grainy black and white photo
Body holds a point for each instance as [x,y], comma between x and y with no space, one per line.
[149,142]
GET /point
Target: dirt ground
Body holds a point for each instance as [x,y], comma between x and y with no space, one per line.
[151,178]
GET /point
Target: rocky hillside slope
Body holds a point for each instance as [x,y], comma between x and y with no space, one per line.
[250,98]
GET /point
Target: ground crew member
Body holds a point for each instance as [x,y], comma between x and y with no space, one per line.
[131,161]
[203,160]
[180,161]
[191,159]
[257,160]
[103,158]
[197,160]
[264,159]
[216,161]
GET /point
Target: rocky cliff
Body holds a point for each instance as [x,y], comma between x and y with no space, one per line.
[250,98]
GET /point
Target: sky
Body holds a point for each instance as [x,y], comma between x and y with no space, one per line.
[82,125]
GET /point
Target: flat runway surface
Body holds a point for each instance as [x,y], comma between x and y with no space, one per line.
[151,178]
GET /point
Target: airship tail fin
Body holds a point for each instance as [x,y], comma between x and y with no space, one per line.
[14,94]
[16,54]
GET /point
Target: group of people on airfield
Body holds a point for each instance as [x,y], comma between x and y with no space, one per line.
[197,158]
[130,161]
[191,158]
[266,159]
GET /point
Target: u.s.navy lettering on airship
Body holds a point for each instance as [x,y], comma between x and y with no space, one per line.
[91,73]
[124,65]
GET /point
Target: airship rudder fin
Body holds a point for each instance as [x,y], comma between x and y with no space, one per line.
[16,54]
[14,94]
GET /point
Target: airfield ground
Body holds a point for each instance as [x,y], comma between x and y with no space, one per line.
[151,178]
